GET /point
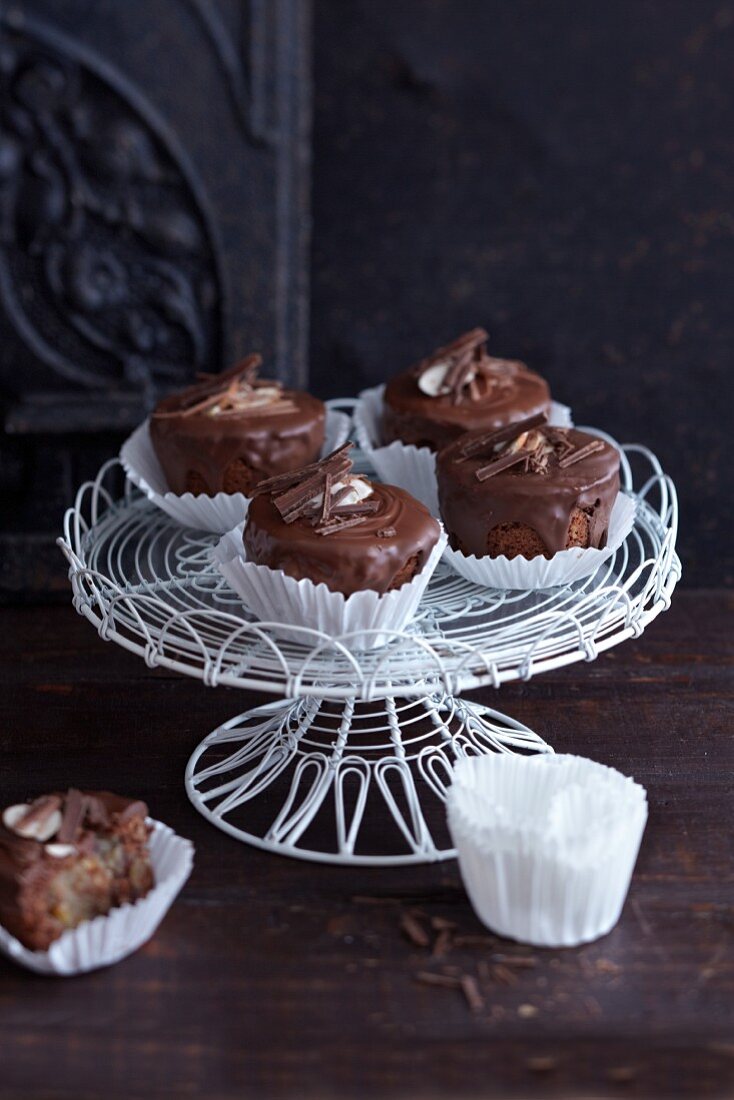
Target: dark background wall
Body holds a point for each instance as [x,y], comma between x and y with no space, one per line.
[560,172]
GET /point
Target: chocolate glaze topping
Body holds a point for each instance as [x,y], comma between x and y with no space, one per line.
[467,389]
[317,528]
[235,416]
[528,474]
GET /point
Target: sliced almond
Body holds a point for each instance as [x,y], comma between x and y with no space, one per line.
[30,822]
[13,814]
[517,444]
[431,381]
[59,851]
[359,489]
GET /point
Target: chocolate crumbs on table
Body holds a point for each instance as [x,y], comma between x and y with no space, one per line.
[470,989]
[447,981]
[414,930]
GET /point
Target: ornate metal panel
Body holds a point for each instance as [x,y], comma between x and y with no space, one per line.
[153,220]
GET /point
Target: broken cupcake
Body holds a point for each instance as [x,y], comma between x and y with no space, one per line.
[230,431]
[67,858]
[460,388]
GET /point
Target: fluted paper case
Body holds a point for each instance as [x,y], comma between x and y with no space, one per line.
[546,844]
[364,620]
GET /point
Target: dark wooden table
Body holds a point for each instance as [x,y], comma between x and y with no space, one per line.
[271,977]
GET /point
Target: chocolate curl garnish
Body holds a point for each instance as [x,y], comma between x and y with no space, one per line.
[213,389]
[279,482]
[463,355]
[558,438]
[490,439]
[339,525]
[39,811]
[73,816]
[97,814]
[581,453]
[326,502]
[502,462]
[293,493]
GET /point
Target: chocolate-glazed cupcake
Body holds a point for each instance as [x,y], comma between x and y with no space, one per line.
[66,858]
[231,431]
[460,388]
[527,490]
[333,527]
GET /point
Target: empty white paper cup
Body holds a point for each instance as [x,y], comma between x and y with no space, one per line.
[413,468]
[565,567]
[546,844]
[280,601]
[107,939]
[217,513]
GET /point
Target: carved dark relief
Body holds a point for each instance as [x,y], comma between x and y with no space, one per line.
[108,271]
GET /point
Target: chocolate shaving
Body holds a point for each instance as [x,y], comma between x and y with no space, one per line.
[442,943]
[386,533]
[339,525]
[97,812]
[295,494]
[292,503]
[447,981]
[502,462]
[470,989]
[414,930]
[359,508]
[283,481]
[326,502]
[504,975]
[39,810]
[489,439]
[73,816]
[212,389]
[581,453]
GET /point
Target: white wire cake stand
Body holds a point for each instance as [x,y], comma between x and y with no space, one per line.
[352,765]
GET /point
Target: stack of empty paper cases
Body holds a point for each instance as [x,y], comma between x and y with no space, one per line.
[546,844]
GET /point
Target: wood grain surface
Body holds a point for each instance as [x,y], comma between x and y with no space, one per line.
[274,978]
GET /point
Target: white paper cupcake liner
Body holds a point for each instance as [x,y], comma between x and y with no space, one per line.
[413,468]
[106,940]
[280,601]
[563,568]
[546,844]
[218,513]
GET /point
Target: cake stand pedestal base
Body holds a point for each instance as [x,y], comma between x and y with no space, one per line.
[348,782]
